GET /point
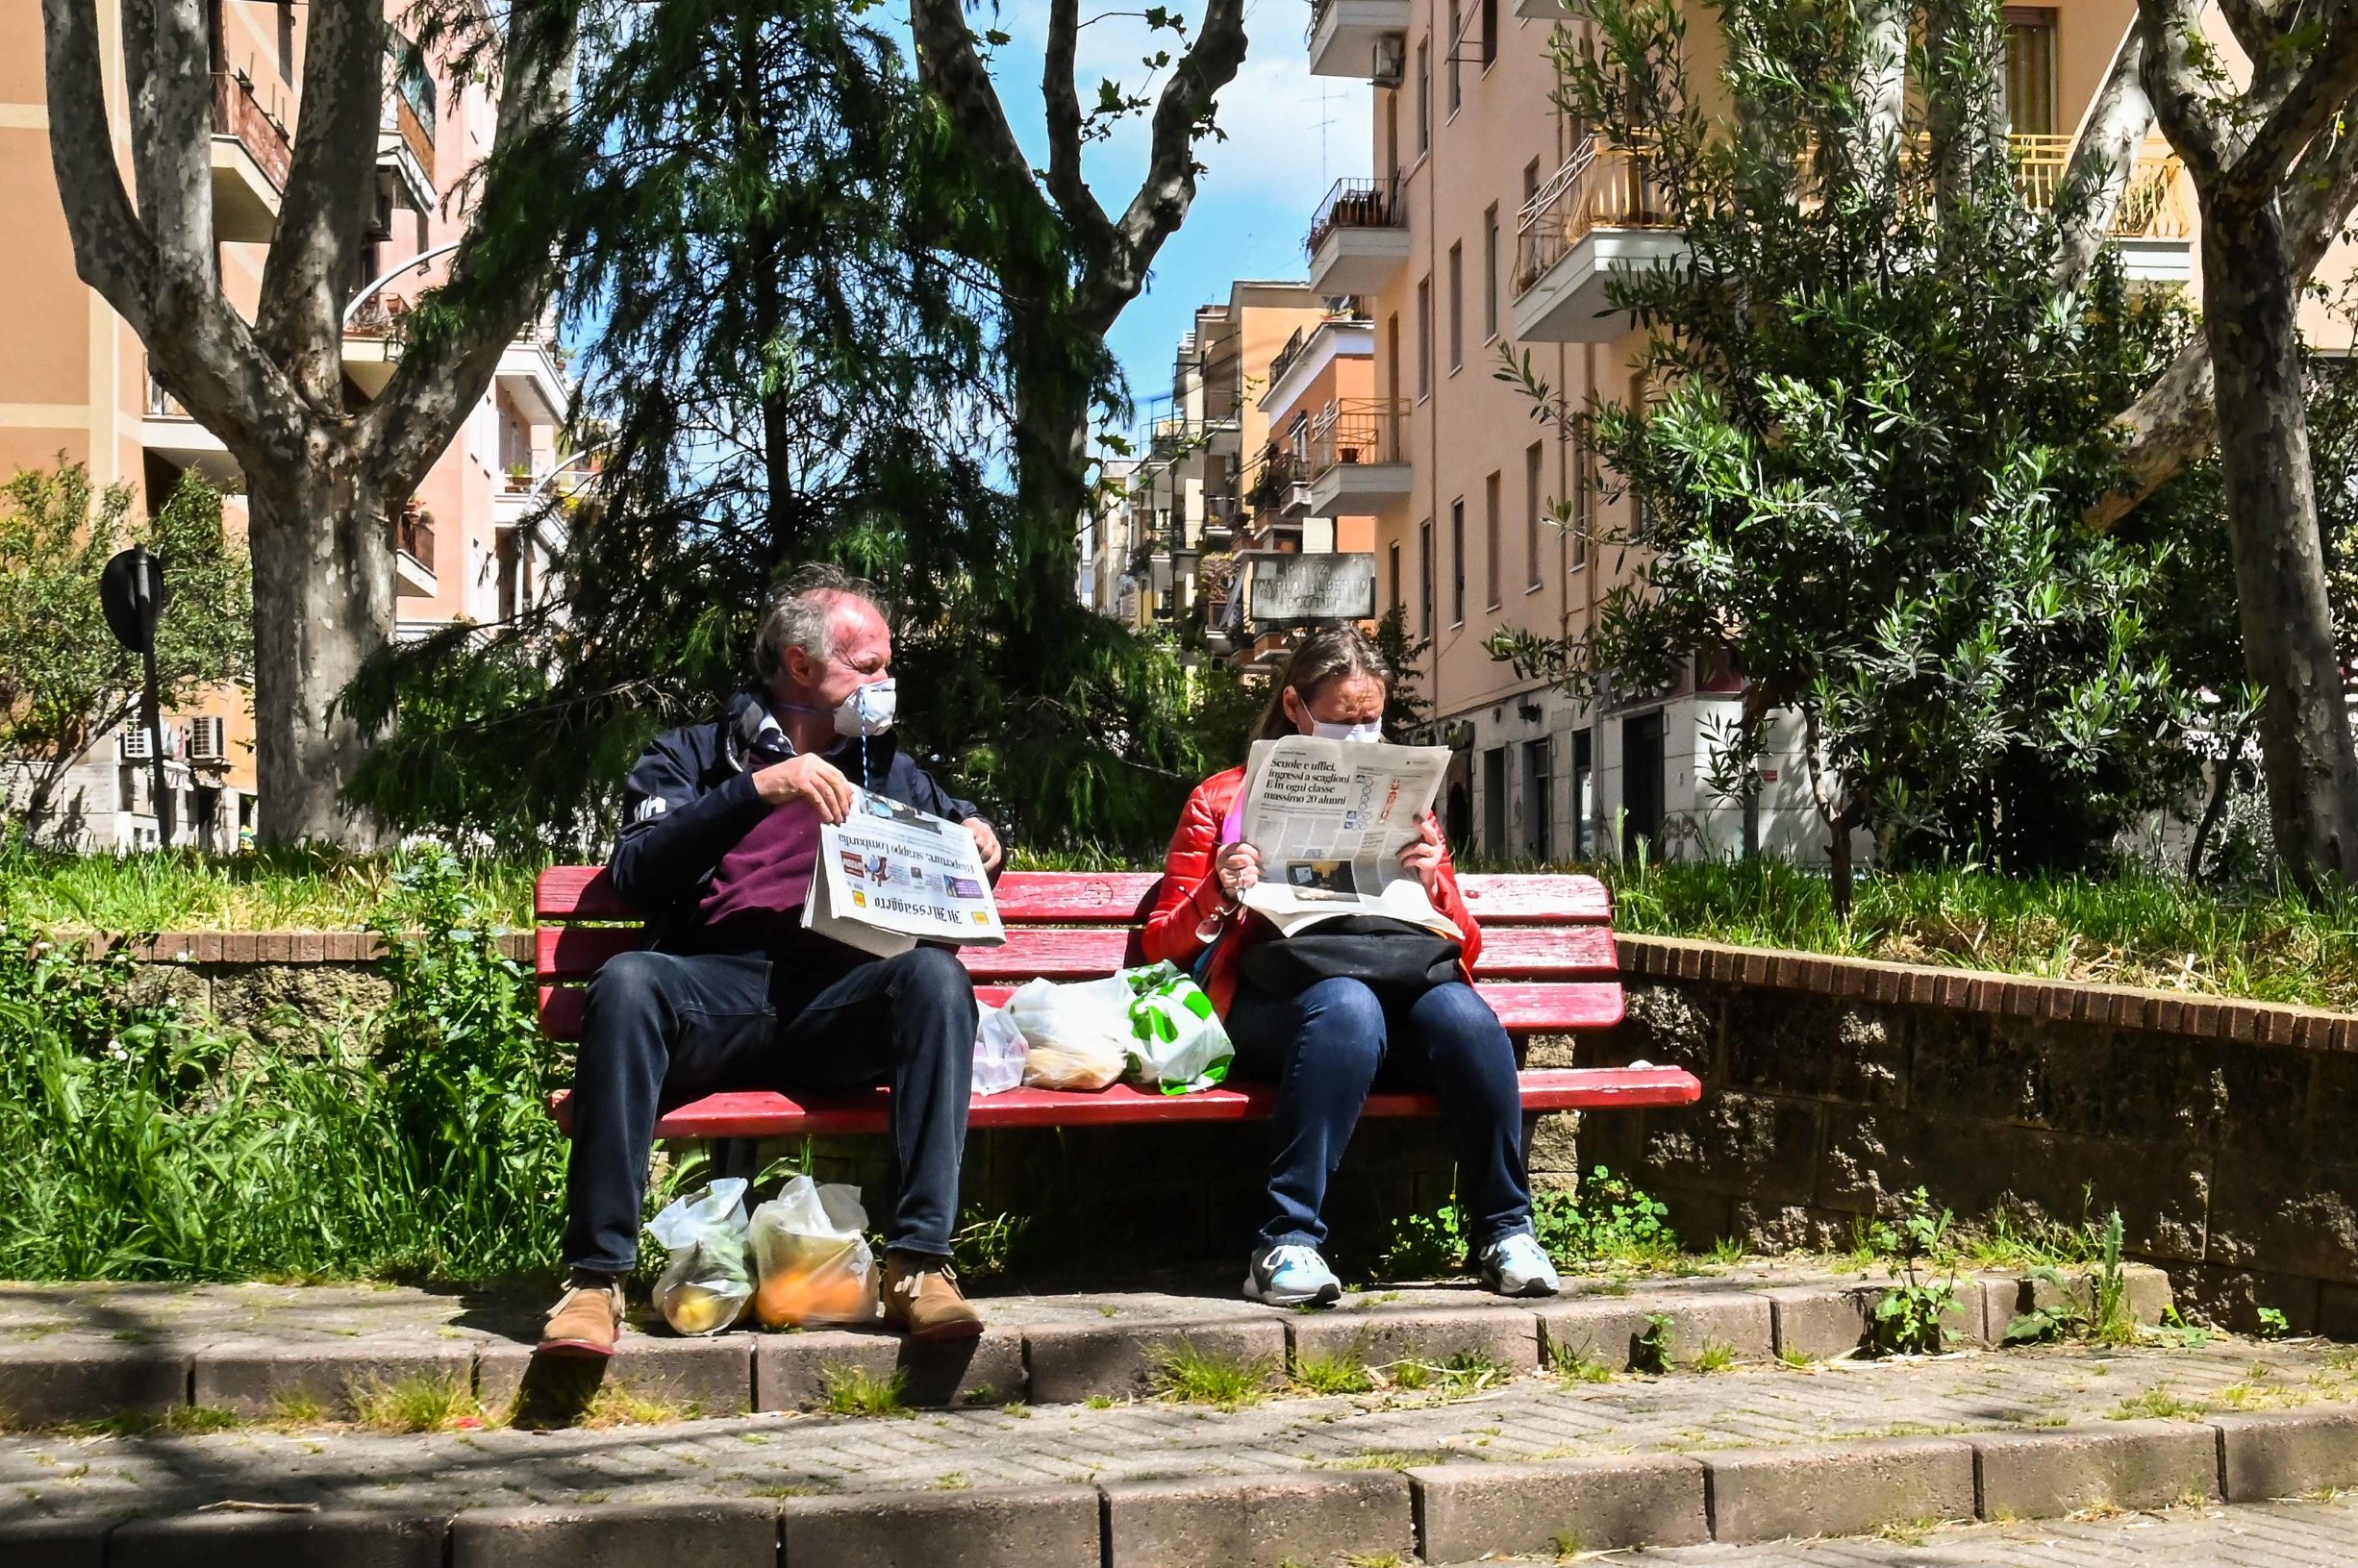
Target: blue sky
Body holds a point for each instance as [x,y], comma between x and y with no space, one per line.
[1291,135]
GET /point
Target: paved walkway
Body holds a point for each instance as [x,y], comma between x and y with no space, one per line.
[1525,1418]
[2276,1536]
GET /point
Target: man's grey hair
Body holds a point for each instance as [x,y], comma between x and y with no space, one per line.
[802,614]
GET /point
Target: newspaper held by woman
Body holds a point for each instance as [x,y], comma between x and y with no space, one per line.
[1330,818]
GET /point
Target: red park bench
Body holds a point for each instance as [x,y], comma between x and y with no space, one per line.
[1547,966]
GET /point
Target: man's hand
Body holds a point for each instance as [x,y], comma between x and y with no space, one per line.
[1424,858]
[809,777]
[1238,866]
[986,839]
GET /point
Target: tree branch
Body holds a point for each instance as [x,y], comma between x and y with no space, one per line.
[949,63]
[2177,89]
[168,63]
[2304,112]
[1162,197]
[2103,159]
[112,250]
[1070,192]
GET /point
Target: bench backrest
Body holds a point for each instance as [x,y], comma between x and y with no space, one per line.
[1547,954]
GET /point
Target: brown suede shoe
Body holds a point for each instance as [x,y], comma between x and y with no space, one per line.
[586,1321]
[922,1300]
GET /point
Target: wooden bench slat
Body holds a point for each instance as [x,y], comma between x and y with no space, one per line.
[765,1113]
[1524,1007]
[575,953]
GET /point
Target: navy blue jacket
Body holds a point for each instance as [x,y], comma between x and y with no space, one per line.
[691,798]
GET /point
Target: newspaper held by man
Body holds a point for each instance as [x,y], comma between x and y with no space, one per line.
[1330,818]
[891,876]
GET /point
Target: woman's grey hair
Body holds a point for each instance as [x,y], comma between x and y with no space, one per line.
[802,614]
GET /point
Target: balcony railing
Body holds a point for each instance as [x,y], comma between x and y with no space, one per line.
[1599,187]
[1357,204]
[236,112]
[1361,431]
[1274,478]
[161,404]
[2152,206]
[414,536]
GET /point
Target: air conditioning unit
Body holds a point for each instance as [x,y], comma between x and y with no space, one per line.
[1389,62]
[133,745]
[209,740]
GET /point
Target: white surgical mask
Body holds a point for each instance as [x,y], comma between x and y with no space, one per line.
[1372,731]
[868,710]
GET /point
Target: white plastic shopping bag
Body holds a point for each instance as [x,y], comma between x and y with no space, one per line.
[707,1283]
[810,1247]
[1177,1042]
[1074,1036]
[998,1052]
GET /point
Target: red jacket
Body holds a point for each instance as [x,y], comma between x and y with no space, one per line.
[1190,894]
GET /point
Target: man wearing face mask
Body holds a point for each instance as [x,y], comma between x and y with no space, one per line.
[718,842]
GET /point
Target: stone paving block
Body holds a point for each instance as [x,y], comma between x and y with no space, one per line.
[699,1376]
[2271,1453]
[708,1534]
[1821,1323]
[2136,1465]
[1066,1363]
[1014,1527]
[1853,1489]
[48,1380]
[54,1543]
[342,1539]
[1592,1505]
[2148,1291]
[255,1377]
[1606,1327]
[1507,1335]
[790,1370]
[1259,1521]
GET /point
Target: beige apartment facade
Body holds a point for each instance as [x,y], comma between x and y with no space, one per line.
[1489,227]
[475,544]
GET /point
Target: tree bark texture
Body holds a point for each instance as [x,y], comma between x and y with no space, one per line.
[2272,533]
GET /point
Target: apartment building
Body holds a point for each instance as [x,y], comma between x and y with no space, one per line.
[1210,528]
[1491,225]
[472,545]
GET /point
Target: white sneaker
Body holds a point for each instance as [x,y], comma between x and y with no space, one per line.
[1515,1266]
[1292,1276]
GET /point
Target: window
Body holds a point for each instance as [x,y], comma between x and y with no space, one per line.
[1392,133]
[1425,337]
[1490,539]
[1584,793]
[1394,554]
[1489,273]
[1457,561]
[2030,70]
[1533,457]
[286,41]
[1641,792]
[1457,85]
[1424,95]
[1424,578]
[1583,508]
[1494,803]
[1531,179]
[1538,791]
[1392,360]
[1489,34]
[1457,308]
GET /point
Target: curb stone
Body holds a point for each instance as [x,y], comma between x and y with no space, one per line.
[1607,1327]
[1853,1489]
[790,1370]
[343,1538]
[1591,1505]
[1021,1527]
[2132,1465]
[90,1381]
[1504,1334]
[2274,1453]
[617,1536]
[257,1378]
[1820,1324]
[1260,1521]
[1067,1363]
[713,1376]
[54,1543]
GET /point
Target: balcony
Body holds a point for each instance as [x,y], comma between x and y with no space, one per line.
[532,373]
[1358,458]
[2151,228]
[168,432]
[1544,11]
[413,552]
[251,157]
[1280,484]
[1601,216]
[1294,375]
[1358,237]
[1357,40]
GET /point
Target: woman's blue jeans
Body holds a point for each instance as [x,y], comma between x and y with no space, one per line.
[1326,1046]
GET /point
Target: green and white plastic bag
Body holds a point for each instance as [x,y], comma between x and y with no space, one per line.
[1179,1043]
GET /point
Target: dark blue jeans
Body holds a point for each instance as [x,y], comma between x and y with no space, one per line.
[1327,1045]
[665,1026]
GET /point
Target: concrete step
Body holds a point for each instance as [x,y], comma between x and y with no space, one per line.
[82,1354]
[1446,1474]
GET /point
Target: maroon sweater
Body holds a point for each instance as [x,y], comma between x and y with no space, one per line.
[761,884]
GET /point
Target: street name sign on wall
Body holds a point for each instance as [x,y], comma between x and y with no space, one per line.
[1286,588]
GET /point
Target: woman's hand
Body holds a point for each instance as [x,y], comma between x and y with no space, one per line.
[1424,858]
[1238,866]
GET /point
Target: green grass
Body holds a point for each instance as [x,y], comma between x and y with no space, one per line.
[2157,1403]
[854,1391]
[277,889]
[1716,1355]
[417,1403]
[1187,1376]
[1315,1373]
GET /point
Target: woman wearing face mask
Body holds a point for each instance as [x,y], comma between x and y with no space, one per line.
[1331,1012]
